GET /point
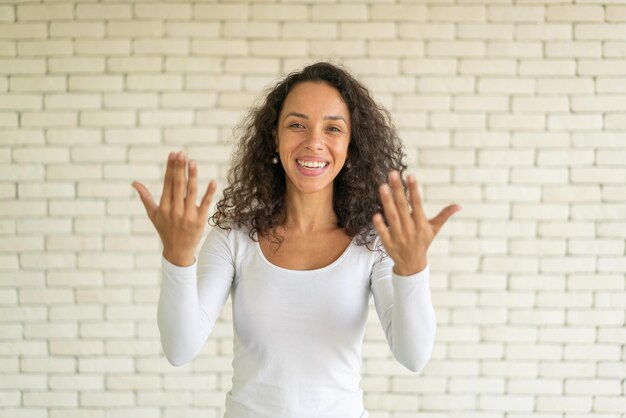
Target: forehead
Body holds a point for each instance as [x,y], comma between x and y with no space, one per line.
[312,98]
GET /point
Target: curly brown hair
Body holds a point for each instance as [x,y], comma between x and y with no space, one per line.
[255,196]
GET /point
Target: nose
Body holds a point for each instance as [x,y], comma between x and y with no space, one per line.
[315,140]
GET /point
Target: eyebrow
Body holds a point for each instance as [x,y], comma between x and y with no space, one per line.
[303,116]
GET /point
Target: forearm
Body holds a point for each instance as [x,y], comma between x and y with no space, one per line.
[182,325]
[413,323]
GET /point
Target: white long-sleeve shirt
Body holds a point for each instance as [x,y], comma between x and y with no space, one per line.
[298,334]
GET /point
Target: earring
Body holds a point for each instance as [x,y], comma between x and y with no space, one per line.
[348,165]
[274,159]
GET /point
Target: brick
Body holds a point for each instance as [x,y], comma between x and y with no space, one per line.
[516,13]
[221,47]
[163,11]
[73,243]
[282,12]
[138,29]
[103,11]
[22,66]
[95,83]
[154,82]
[278,48]
[46,190]
[102,47]
[459,49]
[457,13]
[600,31]
[567,334]
[422,102]
[7,14]
[510,368]
[77,29]
[565,86]
[45,48]
[610,85]
[534,352]
[395,48]
[76,207]
[8,120]
[576,49]
[506,85]
[72,101]
[540,104]
[107,118]
[161,46]
[537,247]
[192,29]
[131,100]
[536,175]
[22,137]
[132,136]
[577,13]
[339,12]
[21,102]
[45,12]
[47,365]
[367,30]
[426,31]
[515,49]
[485,31]
[398,12]
[599,67]
[135,64]
[544,32]
[352,48]
[547,67]
[487,66]
[575,157]
[254,30]
[74,278]
[149,382]
[566,229]
[227,12]
[600,103]
[23,30]
[78,348]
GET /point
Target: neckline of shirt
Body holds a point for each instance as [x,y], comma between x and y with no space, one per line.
[321,269]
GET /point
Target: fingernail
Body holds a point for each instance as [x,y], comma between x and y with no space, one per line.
[171,156]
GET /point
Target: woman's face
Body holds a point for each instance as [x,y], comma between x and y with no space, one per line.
[313,134]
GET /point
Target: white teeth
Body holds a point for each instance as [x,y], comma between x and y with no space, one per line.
[312,164]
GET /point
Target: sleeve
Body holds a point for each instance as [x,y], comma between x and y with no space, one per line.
[405,310]
[193,297]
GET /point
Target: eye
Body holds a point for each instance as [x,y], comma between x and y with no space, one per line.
[296,125]
[334,129]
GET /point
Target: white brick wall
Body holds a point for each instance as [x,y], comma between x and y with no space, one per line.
[515,110]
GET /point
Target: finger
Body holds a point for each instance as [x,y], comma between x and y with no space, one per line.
[443,216]
[207,198]
[389,208]
[190,200]
[166,195]
[416,201]
[402,205]
[178,193]
[382,229]
[146,199]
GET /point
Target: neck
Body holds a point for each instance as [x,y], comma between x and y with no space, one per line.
[308,213]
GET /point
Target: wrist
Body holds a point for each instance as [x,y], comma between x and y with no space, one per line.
[406,270]
[180,260]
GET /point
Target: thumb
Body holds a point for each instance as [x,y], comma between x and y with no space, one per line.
[146,199]
[443,216]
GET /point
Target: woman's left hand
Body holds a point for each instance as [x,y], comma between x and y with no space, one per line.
[409,233]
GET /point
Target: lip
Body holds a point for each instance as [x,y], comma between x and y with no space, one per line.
[312,172]
[312,158]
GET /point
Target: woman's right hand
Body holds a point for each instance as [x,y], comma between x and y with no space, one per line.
[177,219]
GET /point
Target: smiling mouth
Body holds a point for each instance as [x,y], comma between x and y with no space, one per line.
[312,164]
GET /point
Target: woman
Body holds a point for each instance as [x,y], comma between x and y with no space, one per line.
[300,245]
